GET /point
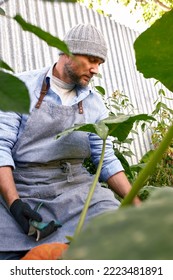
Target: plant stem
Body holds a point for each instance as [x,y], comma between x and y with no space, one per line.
[90,194]
[147,171]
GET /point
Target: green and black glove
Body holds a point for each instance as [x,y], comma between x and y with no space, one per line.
[22,213]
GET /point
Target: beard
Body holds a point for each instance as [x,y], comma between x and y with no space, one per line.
[74,77]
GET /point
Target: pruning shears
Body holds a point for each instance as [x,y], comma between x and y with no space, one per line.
[42,229]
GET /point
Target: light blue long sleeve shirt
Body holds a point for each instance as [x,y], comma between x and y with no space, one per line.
[12,124]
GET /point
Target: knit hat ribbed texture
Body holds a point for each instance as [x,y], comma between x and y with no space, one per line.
[86,39]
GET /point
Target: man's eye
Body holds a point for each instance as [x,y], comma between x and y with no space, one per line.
[95,60]
[91,59]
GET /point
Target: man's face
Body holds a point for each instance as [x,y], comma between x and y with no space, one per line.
[79,69]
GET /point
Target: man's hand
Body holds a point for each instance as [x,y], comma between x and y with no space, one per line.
[22,213]
[137,201]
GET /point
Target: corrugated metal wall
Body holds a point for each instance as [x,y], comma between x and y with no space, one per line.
[24,51]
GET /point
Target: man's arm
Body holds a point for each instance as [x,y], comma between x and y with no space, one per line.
[120,184]
[20,210]
[7,185]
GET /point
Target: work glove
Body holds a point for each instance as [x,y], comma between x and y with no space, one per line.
[42,230]
[22,213]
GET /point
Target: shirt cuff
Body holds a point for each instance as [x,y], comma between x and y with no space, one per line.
[7,162]
[109,170]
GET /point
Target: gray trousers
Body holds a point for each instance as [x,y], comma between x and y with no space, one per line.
[12,255]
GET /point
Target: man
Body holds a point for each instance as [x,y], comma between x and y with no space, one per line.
[39,171]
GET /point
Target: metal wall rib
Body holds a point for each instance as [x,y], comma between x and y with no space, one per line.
[24,51]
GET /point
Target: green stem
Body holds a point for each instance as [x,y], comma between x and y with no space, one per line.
[147,171]
[90,194]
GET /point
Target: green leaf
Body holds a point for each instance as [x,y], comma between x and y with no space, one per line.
[100,129]
[128,153]
[146,191]
[162,92]
[128,141]
[132,233]
[13,94]
[164,106]
[100,89]
[69,238]
[124,162]
[158,106]
[4,65]
[2,12]
[115,126]
[137,167]
[116,107]
[118,126]
[154,50]
[45,36]
[121,126]
[147,156]
[134,131]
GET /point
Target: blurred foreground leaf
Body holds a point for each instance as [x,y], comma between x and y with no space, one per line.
[45,36]
[130,233]
[13,94]
[154,51]
[4,65]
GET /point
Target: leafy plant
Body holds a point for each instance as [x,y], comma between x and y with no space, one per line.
[119,104]
[112,126]
[163,174]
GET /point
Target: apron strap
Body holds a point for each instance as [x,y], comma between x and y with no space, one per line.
[43,92]
[80,107]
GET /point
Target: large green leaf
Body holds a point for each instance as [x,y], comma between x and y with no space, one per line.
[118,127]
[4,65]
[131,233]
[13,94]
[101,129]
[45,36]
[154,51]
[121,126]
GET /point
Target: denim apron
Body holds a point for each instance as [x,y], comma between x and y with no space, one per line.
[51,171]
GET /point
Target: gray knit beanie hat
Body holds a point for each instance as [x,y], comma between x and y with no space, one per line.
[86,39]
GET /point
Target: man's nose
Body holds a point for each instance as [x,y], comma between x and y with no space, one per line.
[94,69]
